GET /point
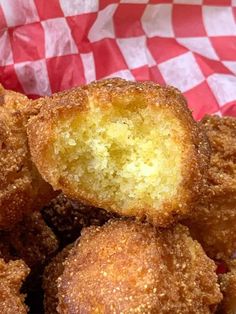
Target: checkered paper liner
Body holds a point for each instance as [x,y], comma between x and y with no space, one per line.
[51,45]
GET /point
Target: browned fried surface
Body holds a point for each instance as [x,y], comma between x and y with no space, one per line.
[51,274]
[21,187]
[130,267]
[67,217]
[34,242]
[31,240]
[228,288]
[214,221]
[106,94]
[12,275]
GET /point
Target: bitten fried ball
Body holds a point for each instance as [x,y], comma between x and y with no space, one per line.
[228,288]
[22,188]
[31,240]
[213,223]
[67,217]
[12,275]
[130,148]
[130,267]
[51,273]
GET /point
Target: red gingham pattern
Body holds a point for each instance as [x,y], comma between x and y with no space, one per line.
[48,46]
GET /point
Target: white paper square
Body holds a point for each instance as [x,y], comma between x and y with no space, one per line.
[125,74]
[89,66]
[218,113]
[33,77]
[200,45]
[231,65]
[58,39]
[157,20]
[182,72]
[19,12]
[75,7]
[135,52]
[103,26]
[223,87]
[134,1]
[189,1]
[219,21]
[5,49]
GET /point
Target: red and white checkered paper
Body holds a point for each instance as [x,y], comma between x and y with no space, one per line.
[51,45]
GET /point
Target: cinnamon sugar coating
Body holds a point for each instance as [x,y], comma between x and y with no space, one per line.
[213,221]
[130,267]
[12,275]
[22,188]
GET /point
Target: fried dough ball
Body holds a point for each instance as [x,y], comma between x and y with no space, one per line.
[67,217]
[21,187]
[34,242]
[228,288]
[51,273]
[12,275]
[130,267]
[130,148]
[213,223]
[31,240]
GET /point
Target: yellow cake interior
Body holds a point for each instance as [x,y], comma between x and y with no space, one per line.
[128,154]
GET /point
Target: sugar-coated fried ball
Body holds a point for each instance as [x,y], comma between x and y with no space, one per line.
[130,267]
[31,240]
[12,275]
[213,223]
[22,188]
[228,288]
[51,273]
[34,242]
[67,217]
[130,148]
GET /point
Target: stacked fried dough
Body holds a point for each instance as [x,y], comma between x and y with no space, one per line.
[213,222]
[22,188]
[132,168]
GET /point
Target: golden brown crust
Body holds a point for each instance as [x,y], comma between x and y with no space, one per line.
[130,267]
[228,289]
[41,132]
[214,219]
[31,240]
[12,275]
[21,187]
[51,273]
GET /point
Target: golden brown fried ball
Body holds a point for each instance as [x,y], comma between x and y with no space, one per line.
[130,148]
[67,217]
[130,267]
[51,273]
[228,288]
[22,189]
[34,242]
[213,223]
[31,240]
[12,275]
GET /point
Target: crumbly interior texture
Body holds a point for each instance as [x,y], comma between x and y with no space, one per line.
[125,153]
